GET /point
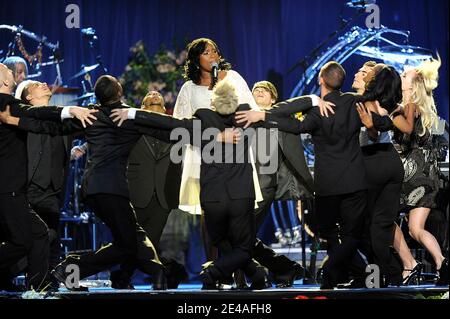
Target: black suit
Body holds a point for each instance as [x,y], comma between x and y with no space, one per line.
[227,191]
[294,181]
[23,233]
[340,178]
[154,184]
[105,190]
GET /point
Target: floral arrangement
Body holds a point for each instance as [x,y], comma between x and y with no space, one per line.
[161,72]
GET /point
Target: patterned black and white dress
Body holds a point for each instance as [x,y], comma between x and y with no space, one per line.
[419,157]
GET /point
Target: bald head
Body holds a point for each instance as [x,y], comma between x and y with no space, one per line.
[7,83]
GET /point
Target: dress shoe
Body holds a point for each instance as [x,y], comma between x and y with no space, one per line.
[160,280]
[60,275]
[414,276]
[443,274]
[287,279]
[176,273]
[260,279]
[239,279]
[208,279]
[353,284]
[120,280]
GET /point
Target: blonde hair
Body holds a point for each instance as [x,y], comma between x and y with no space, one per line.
[224,97]
[423,85]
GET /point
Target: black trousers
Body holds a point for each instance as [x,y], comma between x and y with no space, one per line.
[153,219]
[24,234]
[340,223]
[385,176]
[46,203]
[130,242]
[263,254]
[231,221]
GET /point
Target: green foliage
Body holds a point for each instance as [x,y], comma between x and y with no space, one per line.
[161,72]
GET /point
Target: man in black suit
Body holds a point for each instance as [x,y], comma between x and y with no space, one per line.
[289,179]
[226,184]
[154,182]
[24,235]
[153,178]
[340,181]
[105,189]
[47,166]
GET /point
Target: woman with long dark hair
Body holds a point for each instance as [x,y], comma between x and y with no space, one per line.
[384,171]
[205,66]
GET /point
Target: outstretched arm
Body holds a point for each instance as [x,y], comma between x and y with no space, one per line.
[283,123]
[303,104]
[151,119]
[34,125]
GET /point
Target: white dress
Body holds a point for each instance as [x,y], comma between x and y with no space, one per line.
[191,98]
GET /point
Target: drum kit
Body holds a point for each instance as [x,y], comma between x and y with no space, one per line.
[36,61]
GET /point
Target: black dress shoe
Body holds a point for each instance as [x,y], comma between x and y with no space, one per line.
[352,284]
[260,279]
[208,279]
[159,280]
[176,273]
[287,279]
[443,274]
[120,280]
[239,279]
[60,275]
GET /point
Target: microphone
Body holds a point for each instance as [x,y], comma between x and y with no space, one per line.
[215,69]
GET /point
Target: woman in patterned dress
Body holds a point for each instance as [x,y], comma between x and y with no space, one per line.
[421,183]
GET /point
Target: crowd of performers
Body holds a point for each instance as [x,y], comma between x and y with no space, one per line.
[132,180]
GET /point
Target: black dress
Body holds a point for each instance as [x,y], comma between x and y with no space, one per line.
[419,157]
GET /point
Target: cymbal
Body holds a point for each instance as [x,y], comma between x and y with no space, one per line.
[85,70]
[360,3]
[395,53]
[83,97]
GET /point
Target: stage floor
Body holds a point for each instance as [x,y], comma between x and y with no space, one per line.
[193,292]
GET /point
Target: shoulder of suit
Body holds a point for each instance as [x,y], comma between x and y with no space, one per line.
[7,98]
[244,107]
[352,95]
[203,111]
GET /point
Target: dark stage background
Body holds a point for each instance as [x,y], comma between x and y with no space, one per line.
[262,39]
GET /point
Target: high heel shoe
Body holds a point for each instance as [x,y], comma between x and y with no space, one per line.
[414,275]
[443,274]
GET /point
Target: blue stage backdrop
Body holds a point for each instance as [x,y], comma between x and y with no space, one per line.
[261,38]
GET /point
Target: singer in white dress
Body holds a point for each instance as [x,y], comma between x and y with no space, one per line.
[204,68]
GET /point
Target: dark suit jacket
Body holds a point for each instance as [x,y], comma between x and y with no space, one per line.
[339,167]
[291,145]
[150,171]
[227,174]
[109,149]
[13,147]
